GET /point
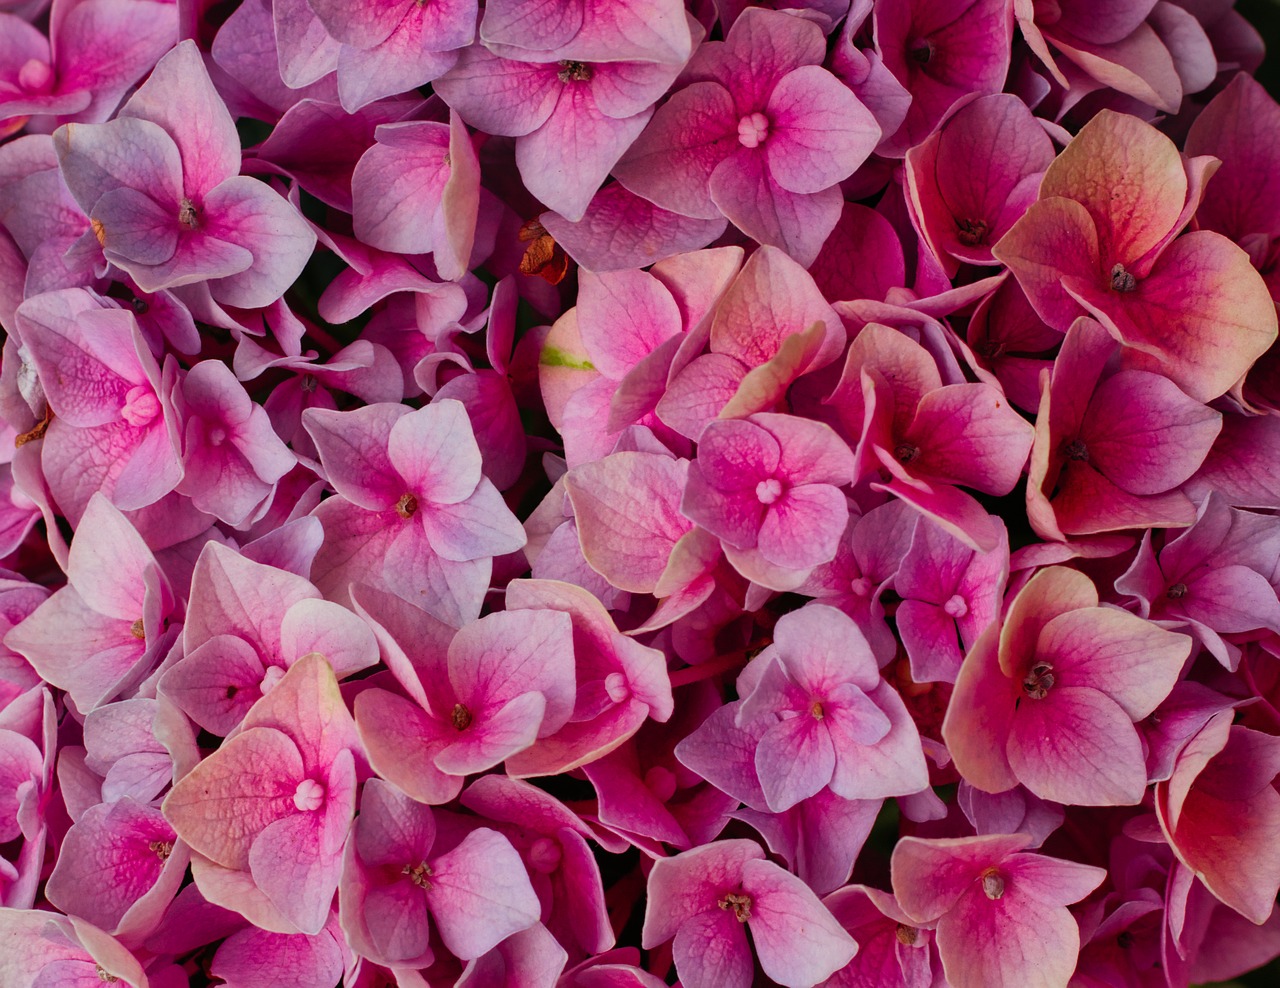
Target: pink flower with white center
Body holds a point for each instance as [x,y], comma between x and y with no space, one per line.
[762,135]
[831,720]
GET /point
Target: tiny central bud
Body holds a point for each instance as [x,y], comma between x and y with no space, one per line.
[1122,280]
[188,214]
[661,782]
[407,505]
[971,233]
[1039,681]
[1077,450]
[1176,591]
[907,935]
[309,384]
[815,709]
[270,676]
[140,406]
[103,975]
[161,849]
[992,884]
[1125,940]
[861,587]
[461,717]
[216,436]
[921,51]
[309,796]
[956,607]
[617,688]
[753,129]
[35,76]
[418,874]
[906,452]
[739,902]
[574,72]
[137,629]
[545,855]
[768,491]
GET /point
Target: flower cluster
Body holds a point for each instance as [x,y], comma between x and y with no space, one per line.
[590,493]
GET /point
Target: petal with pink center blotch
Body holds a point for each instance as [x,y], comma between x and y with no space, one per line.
[969,434]
[711,949]
[1086,502]
[821,646]
[1202,316]
[307,705]
[773,297]
[803,527]
[1055,238]
[123,152]
[744,190]
[798,941]
[794,759]
[1144,434]
[672,162]
[252,215]
[929,876]
[135,227]
[980,716]
[819,132]
[681,888]
[1051,592]
[217,683]
[180,97]
[480,894]
[499,96]
[700,392]
[226,801]
[479,527]
[402,740]
[1130,660]
[1012,940]
[566,160]
[635,30]
[256,958]
[628,515]
[398,185]
[110,858]
[761,48]
[894,765]
[435,451]
[1232,599]
[1077,746]
[353,449]
[623,316]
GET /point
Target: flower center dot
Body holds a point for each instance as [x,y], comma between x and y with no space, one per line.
[753,129]
[992,884]
[101,971]
[161,849]
[861,587]
[907,935]
[309,796]
[1077,450]
[418,874]
[956,607]
[545,855]
[140,406]
[461,717]
[768,491]
[407,505]
[739,902]
[815,709]
[906,452]
[574,72]
[971,233]
[35,76]
[1039,681]
[217,436]
[921,51]
[188,214]
[1176,591]
[138,630]
[1122,280]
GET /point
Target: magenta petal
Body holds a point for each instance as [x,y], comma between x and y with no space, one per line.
[794,759]
[819,131]
[480,894]
[797,939]
[1077,746]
